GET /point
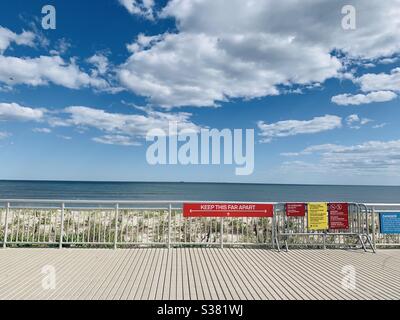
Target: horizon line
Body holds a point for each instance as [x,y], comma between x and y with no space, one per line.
[192,182]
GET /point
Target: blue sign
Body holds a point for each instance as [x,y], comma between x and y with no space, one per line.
[390,223]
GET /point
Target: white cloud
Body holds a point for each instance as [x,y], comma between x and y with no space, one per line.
[120,129]
[389,60]
[4,135]
[41,130]
[116,140]
[382,81]
[200,70]
[64,137]
[377,96]
[100,61]
[294,127]
[310,150]
[381,125]
[132,125]
[14,111]
[368,157]
[381,87]
[44,70]
[355,122]
[7,37]
[248,49]
[139,7]
[61,47]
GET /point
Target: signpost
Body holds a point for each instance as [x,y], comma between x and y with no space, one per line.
[339,216]
[227,210]
[318,216]
[295,209]
[390,223]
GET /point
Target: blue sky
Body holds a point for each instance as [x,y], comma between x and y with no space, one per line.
[76,102]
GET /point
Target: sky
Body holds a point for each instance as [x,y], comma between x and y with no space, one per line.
[318,81]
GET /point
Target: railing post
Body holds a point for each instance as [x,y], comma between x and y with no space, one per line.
[373,227]
[6,225]
[62,226]
[222,233]
[116,225]
[169,225]
[273,234]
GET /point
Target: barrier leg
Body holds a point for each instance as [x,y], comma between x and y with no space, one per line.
[274,231]
[277,243]
[362,242]
[373,228]
[370,243]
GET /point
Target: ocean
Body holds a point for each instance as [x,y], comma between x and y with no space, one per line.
[195,191]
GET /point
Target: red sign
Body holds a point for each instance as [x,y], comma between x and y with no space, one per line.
[296,209]
[228,210]
[338,216]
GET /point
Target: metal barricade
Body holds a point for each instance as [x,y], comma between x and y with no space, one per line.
[295,230]
[379,239]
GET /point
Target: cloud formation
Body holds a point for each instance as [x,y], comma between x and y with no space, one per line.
[355,100]
[381,81]
[355,122]
[244,48]
[4,135]
[368,157]
[7,37]
[45,70]
[119,128]
[41,130]
[14,111]
[132,125]
[295,127]
[142,8]
[116,140]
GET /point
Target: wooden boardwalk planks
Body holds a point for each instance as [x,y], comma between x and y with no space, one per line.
[205,274]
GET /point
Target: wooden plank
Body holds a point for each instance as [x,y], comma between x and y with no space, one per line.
[151,282]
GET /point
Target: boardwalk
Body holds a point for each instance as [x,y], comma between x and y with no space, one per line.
[198,274]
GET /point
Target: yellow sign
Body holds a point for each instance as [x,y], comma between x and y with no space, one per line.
[318,216]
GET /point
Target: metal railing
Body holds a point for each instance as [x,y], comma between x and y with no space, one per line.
[161,223]
[122,224]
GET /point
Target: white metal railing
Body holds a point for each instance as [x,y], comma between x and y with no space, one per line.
[115,224]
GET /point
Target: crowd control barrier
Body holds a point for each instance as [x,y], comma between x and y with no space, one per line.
[323,224]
